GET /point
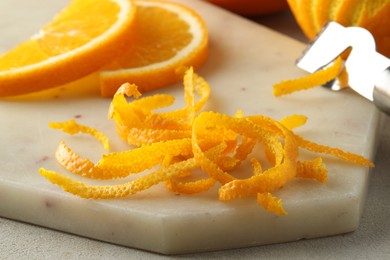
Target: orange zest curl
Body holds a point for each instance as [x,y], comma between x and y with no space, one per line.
[191,151]
[72,127]
[315,79]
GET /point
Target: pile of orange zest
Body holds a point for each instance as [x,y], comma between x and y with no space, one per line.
[315,79]
[214,142]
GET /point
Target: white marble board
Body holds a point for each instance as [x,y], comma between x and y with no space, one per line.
[245,60]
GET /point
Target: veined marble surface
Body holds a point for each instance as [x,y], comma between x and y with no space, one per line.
[20,240]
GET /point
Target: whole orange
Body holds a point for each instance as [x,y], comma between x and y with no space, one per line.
[252,7]
[374,15]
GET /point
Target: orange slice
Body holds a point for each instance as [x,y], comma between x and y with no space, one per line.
[169,37]
[82,38]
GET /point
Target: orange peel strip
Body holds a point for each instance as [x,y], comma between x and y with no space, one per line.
[192,83]
[76,164]
[244,149]
[294,121]
[134,160]
[72,127]
[315,79]
[122,164]
[347,156]
[257,168]
[84,190]
[154,102]
[271,203]
[139,137]
[119,100]
[314,169]
[190,187]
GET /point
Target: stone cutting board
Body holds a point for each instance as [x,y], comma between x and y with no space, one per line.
[245,60]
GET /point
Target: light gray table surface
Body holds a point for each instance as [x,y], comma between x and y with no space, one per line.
[370,241]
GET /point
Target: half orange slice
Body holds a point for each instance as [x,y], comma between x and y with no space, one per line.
[82,38]
[169,38]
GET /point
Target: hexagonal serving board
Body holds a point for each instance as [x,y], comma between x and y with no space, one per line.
[245,60]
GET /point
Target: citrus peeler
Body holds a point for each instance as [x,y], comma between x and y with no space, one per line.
[368,71]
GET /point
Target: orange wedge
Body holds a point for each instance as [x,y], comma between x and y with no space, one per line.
[169,38]
[82,38]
